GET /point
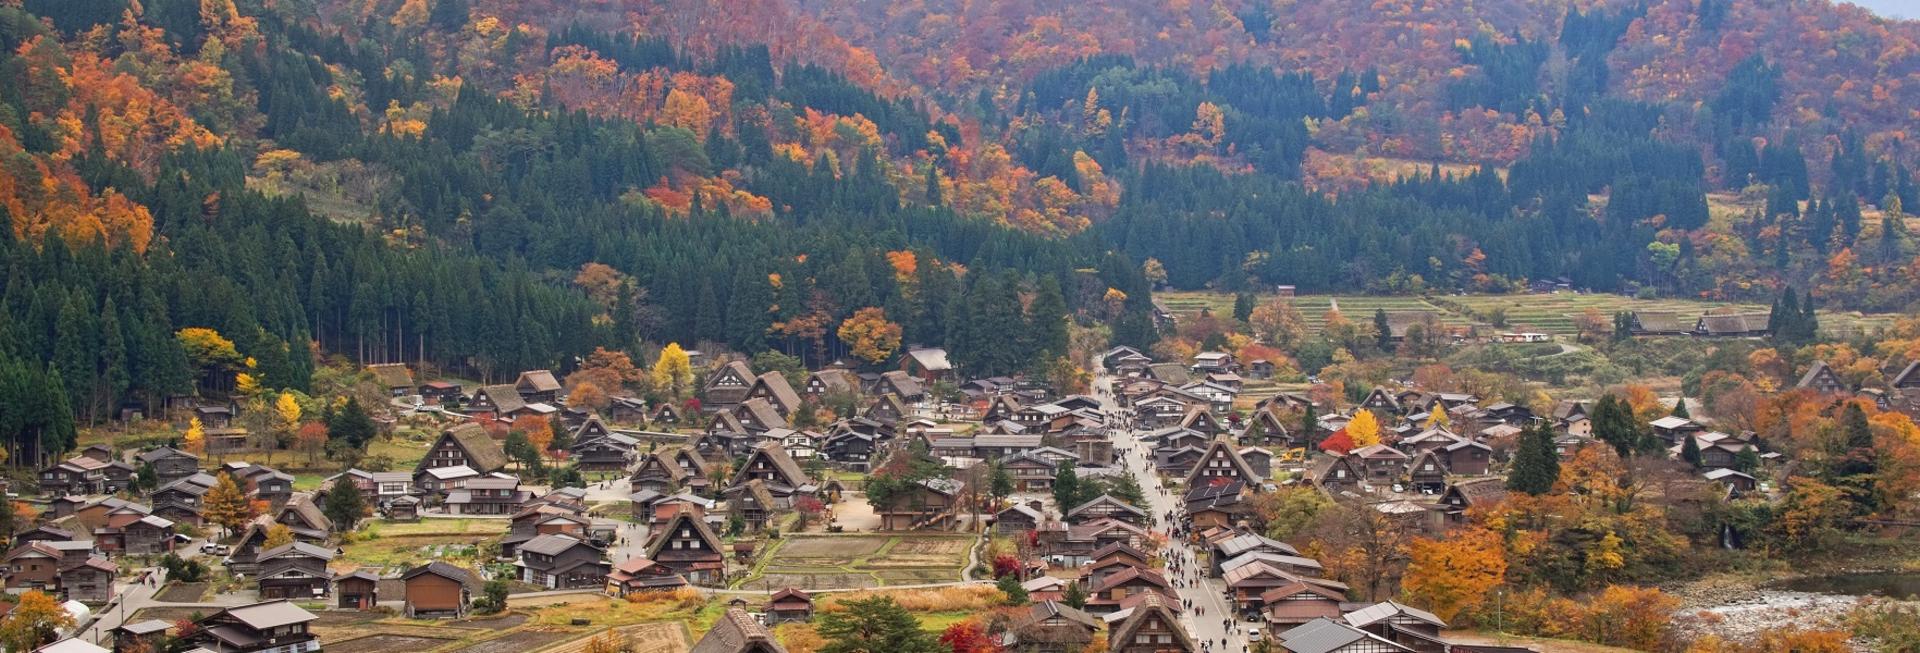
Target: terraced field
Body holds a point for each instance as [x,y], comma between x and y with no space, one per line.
[1545,313]
[856,561]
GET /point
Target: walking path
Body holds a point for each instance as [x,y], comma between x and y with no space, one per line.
[1209,615]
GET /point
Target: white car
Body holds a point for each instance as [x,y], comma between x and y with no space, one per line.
[211,548]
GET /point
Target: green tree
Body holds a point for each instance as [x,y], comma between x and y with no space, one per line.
[1010,585]
[1747,461]
[1242,307]
[1690,450]
[1066,486]
[344,506]
[1614,424]
[1383,330]
[999,483]
[874,625]
[1536,465]
[1855,469]
[352,425]
[1076,597]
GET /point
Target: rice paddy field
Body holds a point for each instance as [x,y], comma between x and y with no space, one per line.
[1550,313]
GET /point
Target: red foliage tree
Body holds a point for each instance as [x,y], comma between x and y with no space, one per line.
[1338,443]
[969,637]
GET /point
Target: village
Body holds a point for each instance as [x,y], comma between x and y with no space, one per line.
[1121,515]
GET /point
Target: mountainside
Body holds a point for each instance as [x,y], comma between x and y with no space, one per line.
[495,184]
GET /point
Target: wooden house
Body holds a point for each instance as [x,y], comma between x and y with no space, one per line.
[170,464]
[1466,456]
[1384,465]
[1106,506]
[929,504]
[901,384]
[1822,379]
[1221,463]
[727,386]
[489,495]
[148,635]
[1106,595]
[1467,494]
[1335,474]
[496,402]
[774,389]
[1017,519]
[439,393]
[294,571]
[466,445]
[638,574]
[1671,428]
[1427,473]
[1299,602]
[558,561]
[831,381]
[438,589]
[1401,624]
[1152,627]
[1051,627]
[770,463]
[276,626]
[538,386]
[395,378]
[1327,635]
[357,590]
[91,581]
[789,604]
[687,546]
[737,632]
[753,504]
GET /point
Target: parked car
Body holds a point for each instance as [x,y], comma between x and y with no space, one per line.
[212,548]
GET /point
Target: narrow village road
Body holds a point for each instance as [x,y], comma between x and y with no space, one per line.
[1201,593]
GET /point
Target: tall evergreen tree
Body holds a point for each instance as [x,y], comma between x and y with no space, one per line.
[1614,424]
[1383,330]
[1536,465]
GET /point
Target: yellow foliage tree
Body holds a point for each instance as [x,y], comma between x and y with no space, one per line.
[870,335]
[1438,418]
[1364,429]
[673,371]
[196,438]
[278,535]
[286,413]
[1454,575]
[34,622]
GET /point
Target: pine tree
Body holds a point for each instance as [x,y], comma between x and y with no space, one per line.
[1680,408]
[1383,329]
[999,483]
[1613,423]
[875,624]
[1536,465]
[1242,307]
[1066,487]
[1010,585]
[1075,597]
[344,506]
[1690,450]
[1747,461]
[351,425]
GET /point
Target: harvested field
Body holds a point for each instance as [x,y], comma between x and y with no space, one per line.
[531,639]
[384,644]
[183,593]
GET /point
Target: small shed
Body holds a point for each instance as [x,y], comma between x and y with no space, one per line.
[359,590]
[789,604]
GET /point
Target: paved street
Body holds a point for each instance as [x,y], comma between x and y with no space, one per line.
[1206,594]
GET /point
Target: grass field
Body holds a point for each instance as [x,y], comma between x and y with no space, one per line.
[1546,313]
[852,561]
[394,545]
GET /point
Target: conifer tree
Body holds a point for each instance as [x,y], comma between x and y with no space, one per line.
[1690,450]
[1536,465]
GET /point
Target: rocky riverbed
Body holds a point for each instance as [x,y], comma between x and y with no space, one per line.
[1736,610]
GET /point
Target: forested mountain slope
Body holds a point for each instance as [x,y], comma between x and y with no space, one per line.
[493,185]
